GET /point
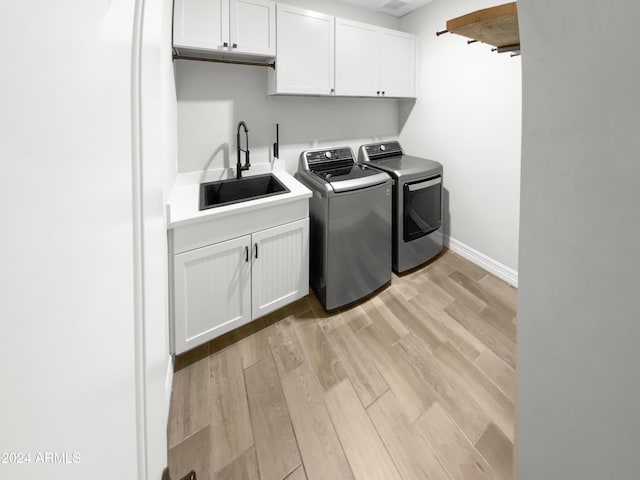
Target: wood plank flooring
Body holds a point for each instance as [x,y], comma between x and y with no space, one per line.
[417,382]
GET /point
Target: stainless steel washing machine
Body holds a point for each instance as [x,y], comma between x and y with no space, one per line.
[350,226]
[417,202]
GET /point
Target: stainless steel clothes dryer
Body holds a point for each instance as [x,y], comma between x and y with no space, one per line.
[417,202]
[350,226]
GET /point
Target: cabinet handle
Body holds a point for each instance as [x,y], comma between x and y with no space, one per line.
[333,90]
[225,44]
[256,245]
[246,254]
[378,92]
[235,45]
[383,92]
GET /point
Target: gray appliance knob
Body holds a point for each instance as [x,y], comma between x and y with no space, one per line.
[383,148]
[327,154]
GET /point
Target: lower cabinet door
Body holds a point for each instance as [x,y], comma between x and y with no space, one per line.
[280,258]
[212,291]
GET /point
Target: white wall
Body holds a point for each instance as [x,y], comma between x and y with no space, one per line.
[67,341]
[159,167]
[83,388]
[579,315]
[468,117]
[213,98]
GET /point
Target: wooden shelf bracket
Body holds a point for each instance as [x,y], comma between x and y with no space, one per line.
[496,26]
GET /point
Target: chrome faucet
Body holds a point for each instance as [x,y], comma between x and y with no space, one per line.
[247,164]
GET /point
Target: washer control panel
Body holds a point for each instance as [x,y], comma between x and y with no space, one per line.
[330,155]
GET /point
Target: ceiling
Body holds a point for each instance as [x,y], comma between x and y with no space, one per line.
[397,8]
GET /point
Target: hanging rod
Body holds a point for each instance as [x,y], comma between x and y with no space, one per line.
[222,60]
[507,48]
[441,32]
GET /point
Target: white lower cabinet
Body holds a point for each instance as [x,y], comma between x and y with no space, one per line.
[280,268]
[222,286]
[212,291]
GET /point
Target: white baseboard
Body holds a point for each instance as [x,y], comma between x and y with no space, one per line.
[507,274]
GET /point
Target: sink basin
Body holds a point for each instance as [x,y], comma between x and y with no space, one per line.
[226,192]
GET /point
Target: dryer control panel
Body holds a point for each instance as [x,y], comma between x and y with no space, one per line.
[380,150]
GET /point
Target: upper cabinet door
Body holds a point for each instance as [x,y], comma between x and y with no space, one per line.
[200,24]
[253,26]
[357,59]
[305,59]
[397,63]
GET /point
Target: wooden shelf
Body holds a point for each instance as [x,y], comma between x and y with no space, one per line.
[497,26]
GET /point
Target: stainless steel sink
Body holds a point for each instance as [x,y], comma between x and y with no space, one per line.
[235,190]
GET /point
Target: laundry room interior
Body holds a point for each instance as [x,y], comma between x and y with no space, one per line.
[466,114]
[454,90]
[310,239]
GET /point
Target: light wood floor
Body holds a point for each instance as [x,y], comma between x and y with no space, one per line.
[417,382]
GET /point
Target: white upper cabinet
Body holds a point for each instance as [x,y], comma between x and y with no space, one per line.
[319,54]
[397,63]
[200,24]
[224,28]
[357,59]
[374,61]
[253,26]
[305,61]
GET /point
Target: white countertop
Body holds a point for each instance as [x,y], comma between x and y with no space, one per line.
[183,207]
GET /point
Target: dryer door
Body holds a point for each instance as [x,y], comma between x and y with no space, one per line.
[422,209]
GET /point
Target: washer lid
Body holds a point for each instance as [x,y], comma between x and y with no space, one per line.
[407,166]
[389,156]
[353,177]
